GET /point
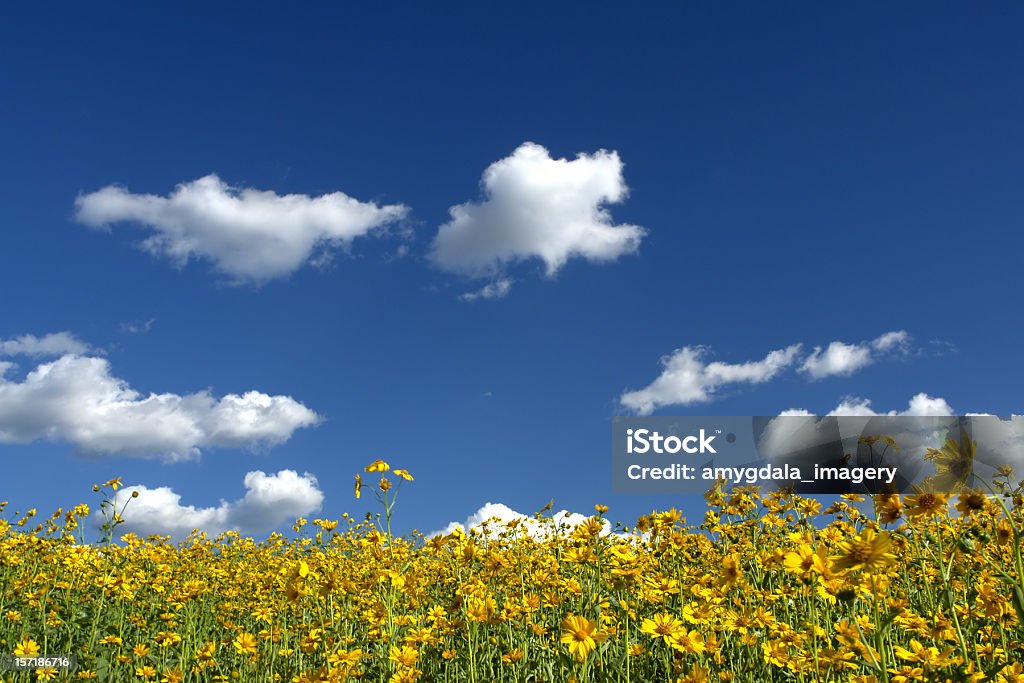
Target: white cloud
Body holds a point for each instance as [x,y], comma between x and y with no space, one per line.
[56,344]
[251,235]
[495,290]
[842,359]
[538,207]
[688,379]
[921,405]
[837,359]
[76,399]
[897,339]
[497,515]
[270,501]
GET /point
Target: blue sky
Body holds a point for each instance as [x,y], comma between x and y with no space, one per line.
[751,178]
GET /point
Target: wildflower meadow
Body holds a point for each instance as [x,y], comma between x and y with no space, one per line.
[766,587]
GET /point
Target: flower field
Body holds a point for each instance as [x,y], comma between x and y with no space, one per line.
[764,588]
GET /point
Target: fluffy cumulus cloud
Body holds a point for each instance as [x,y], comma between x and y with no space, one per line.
[688,378]
[492,518]
[538,207]
[250,235]
[843,359]
[921,405]
[270,501]
[56,344]
[77,399]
